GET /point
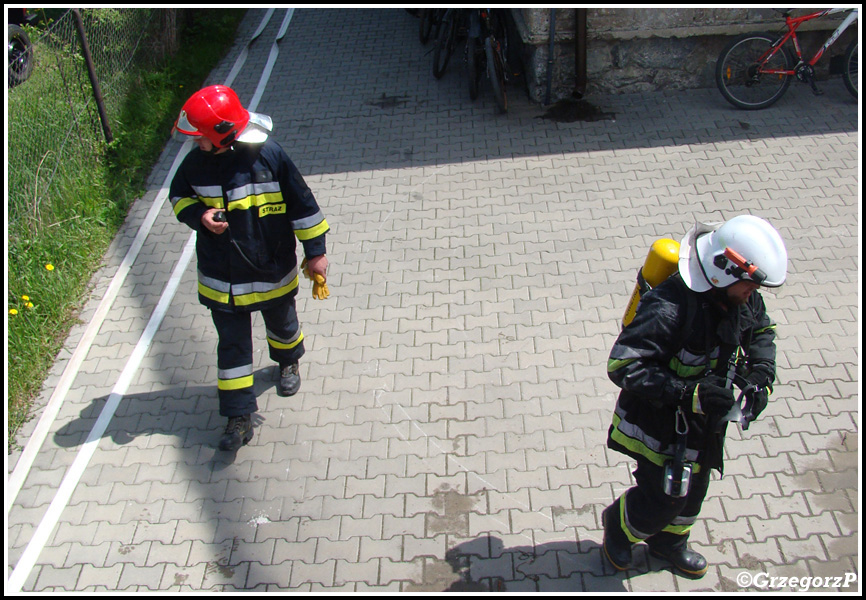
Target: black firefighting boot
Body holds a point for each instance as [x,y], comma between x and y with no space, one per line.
[290,380]
[616,545]
[688,562]
[239,432]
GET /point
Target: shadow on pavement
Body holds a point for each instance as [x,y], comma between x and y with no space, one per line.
[189,413]
[485,564]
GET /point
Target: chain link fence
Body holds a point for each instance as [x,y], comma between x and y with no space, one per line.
[54,129]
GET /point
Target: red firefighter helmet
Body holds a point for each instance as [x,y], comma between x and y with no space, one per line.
[216,113]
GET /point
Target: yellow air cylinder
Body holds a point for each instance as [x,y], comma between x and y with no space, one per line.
[661,263]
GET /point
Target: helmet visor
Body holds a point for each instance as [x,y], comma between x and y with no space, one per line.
[183,126]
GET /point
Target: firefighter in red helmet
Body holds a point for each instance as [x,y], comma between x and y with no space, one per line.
[248,204]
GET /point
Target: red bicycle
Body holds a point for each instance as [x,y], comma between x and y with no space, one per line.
[756,69]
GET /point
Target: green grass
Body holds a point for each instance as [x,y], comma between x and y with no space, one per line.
[92,189]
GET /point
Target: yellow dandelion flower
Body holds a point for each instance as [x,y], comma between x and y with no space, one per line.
[29,305]
[49,266]
[25,298]
[13,311]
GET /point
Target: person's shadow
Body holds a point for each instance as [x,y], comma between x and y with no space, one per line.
[484,564]
[190,413]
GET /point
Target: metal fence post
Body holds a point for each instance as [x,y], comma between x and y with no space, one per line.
[94,82]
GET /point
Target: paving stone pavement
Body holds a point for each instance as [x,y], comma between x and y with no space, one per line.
[450,431]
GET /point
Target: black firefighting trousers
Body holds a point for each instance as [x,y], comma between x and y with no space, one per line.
[235,352]
[651,516]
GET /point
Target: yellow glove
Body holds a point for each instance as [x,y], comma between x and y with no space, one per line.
[320,288]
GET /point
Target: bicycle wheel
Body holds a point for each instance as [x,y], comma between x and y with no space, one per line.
[849,74]
[445,43]
[20,55]
[496,72]
[425,24]
[475,65]
[429,23]
[738,76]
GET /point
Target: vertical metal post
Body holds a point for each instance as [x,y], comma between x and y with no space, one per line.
[97,94]
[580,53]
[551,50]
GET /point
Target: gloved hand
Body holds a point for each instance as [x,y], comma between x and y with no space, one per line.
[758,398]
[760,378]
[711,397]
[320,287]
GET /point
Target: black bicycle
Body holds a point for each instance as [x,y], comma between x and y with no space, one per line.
[428,23]
[485,52]
[446,41]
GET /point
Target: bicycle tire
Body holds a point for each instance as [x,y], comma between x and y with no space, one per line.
[444,46]
[849,73]
[496,72]
[474,63]
[737,77]
[425,24]
[20,55]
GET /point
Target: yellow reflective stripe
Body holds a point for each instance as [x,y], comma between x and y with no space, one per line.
[635,445]
[696,402]
[211,201]
[638,447]
[215,295]
[182,203]
[624,524]
[179,204]
[235,384]
[312,232]
[688,371]
[256,200]
[283,346]
[677,529]
[685,371]
[614,364]
[256,297]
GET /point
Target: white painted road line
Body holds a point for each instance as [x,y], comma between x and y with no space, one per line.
[73,475]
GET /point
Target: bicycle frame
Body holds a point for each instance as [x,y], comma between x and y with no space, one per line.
[793,23]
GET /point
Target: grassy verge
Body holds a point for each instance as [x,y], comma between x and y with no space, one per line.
[54,247]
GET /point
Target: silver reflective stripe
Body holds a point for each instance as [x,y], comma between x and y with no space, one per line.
[684,521]
[253,189]
[631,528]
[690,359]
[235,372]
[214,284]
[636,433]
[308,222]
[277,338]
[619,352]
[208,191]
[262,287]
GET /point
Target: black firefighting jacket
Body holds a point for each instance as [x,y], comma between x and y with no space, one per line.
[253,265]
[678,337]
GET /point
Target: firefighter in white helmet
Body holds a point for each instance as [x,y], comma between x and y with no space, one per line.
[693,336]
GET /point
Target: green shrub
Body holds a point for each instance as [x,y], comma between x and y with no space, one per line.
[56,239]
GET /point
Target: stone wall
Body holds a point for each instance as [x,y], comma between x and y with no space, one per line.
[644,49]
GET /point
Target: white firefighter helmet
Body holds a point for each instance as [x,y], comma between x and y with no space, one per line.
[746,248]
